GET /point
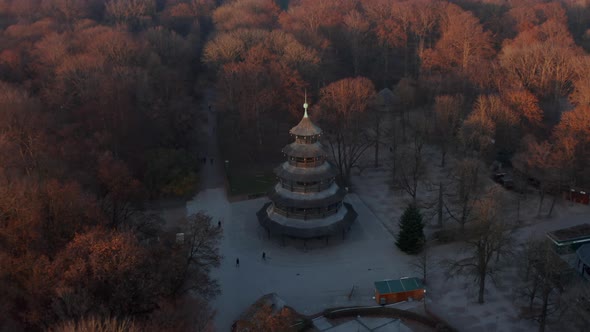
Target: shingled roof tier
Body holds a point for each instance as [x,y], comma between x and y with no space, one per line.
[292,173]
[304,150]
[307,229]
[305,128]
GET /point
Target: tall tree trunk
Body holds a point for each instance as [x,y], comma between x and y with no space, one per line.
[552,206]
[543,315]
[541,198]
[533,292]
[377,139]
[440,205]
[482,287]
[518,209]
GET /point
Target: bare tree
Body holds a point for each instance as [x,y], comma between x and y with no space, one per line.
[440,205]
[542,276]
[576,300]
[464,190]
[405,91]
[422,264]
[479,129]
[447,115]
[489,238]
[197,256]
[411,169]
[344,105]
[379,114]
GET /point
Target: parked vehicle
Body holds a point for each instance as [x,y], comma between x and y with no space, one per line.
[504,179]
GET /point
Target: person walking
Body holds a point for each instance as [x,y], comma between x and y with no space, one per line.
[237,262]
[219,224]
[263,256]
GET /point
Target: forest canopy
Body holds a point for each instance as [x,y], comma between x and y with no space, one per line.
[99,104]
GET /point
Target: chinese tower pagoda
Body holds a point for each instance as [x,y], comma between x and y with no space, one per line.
[307,201]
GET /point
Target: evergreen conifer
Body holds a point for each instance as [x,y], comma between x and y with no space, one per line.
[411,234]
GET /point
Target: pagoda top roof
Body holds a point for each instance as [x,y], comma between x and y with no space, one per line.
[305,126]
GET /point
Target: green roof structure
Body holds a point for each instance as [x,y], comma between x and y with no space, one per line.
[398,285]
[571,238]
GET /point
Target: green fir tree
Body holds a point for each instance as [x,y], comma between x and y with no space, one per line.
[411,231]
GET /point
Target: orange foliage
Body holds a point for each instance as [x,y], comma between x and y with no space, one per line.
[528,14]
[580,95]
[310,20]
[390,20]
[260,14]
[525,104]
[575,124]
[540,59]
[347,98]
[463,45]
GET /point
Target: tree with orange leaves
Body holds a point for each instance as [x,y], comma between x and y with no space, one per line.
[463,47]
[447,119]
[343,108]
[580,95]
[313,20]
[541,59]
[250,14]
[572,140]
[535,160]
[258,91]
[526,106]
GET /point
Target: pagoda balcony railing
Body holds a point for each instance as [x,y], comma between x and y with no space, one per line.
[310,164]
[306,139]
[305,215]
[314,188]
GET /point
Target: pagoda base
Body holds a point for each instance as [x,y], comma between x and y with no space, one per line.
[278,224]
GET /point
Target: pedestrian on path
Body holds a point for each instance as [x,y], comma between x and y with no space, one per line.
[219,223]
[263,256]
[237,262]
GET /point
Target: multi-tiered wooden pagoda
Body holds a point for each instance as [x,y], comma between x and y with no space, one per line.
[307,201]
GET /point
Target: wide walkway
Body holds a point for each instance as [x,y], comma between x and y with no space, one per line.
[212,171]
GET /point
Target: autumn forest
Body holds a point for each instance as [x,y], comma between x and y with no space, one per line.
[99,118]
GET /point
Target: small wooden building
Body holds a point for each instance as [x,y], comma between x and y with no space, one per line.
[398,290]
[577,195]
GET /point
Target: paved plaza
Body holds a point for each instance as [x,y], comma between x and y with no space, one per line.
[309,278]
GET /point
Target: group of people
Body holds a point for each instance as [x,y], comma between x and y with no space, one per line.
[238,259]
[263,258]
[204,160]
